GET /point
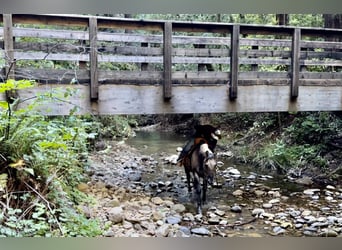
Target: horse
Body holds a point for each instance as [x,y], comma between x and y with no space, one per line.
[201,163]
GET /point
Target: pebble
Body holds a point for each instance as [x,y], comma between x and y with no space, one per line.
[267,205]
[163,230]
[258,211]
[214,220]
[238,192]
[200,231]
[115,214]
[173,220]
[330,187]
[328,233]
[278,230]
[236,209]
[157,200]
[179,208]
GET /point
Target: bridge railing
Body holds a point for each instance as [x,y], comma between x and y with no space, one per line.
[100,50]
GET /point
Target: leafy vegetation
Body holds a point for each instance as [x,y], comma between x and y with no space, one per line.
[41,163]
[288,143]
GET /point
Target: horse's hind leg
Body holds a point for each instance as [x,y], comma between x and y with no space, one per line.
[197,186]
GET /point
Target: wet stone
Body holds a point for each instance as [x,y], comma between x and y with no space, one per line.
[267,205]
[214,220]
[238,192]
[163,230]
[309,233]
[330,187]
[328,233]
[298,225]
[173,220]
[179,208]
[258,211]
[220,212]
[188,217]
[278,230]
[236,209]
[200,231]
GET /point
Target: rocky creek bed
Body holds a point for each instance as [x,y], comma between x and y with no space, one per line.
[135,198]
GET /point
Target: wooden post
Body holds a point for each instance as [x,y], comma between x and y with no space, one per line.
[295,63]
[167,38]
[8,45]
[94,81]
[234,61]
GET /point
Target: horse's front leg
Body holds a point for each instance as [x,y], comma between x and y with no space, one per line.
[197,186]
[205,187]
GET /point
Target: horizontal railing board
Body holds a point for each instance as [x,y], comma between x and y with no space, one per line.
[159,59]
[156,77]
[152,51]
[176,39]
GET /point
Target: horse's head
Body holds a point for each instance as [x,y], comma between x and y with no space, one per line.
[209,162]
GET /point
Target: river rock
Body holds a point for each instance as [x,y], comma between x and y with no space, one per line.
[157,215]
[214,220]
[188,217]
[220,212]
[200,231]
[257,211]
[259,193]
[236,209]
[328,233]
[113,203]
[238,192]
[278,230]
[115,214]
[179,208]
[163,230]
[267,205]
[233,171]
[330,187]
[134,176]
[173,220]
[171,159]
[157,200]
[306,213]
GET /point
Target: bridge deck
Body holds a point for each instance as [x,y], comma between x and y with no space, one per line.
[128,66]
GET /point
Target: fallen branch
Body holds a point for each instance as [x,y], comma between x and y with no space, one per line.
[238,223]
[48,205]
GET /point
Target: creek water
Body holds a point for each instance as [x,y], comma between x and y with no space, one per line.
[251,183]
[161,144]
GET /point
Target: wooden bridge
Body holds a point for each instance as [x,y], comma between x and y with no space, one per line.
[129,66]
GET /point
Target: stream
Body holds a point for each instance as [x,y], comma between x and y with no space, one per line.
[245,201]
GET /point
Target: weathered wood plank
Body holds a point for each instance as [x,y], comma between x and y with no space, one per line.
[94,84]
[178,77]
[234,62]
[132,99]
[167,61]
[152,51]
[8,45]
[175,59]
[295,63]
[59,19]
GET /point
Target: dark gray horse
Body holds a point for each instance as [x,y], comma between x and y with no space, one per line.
[201,163]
